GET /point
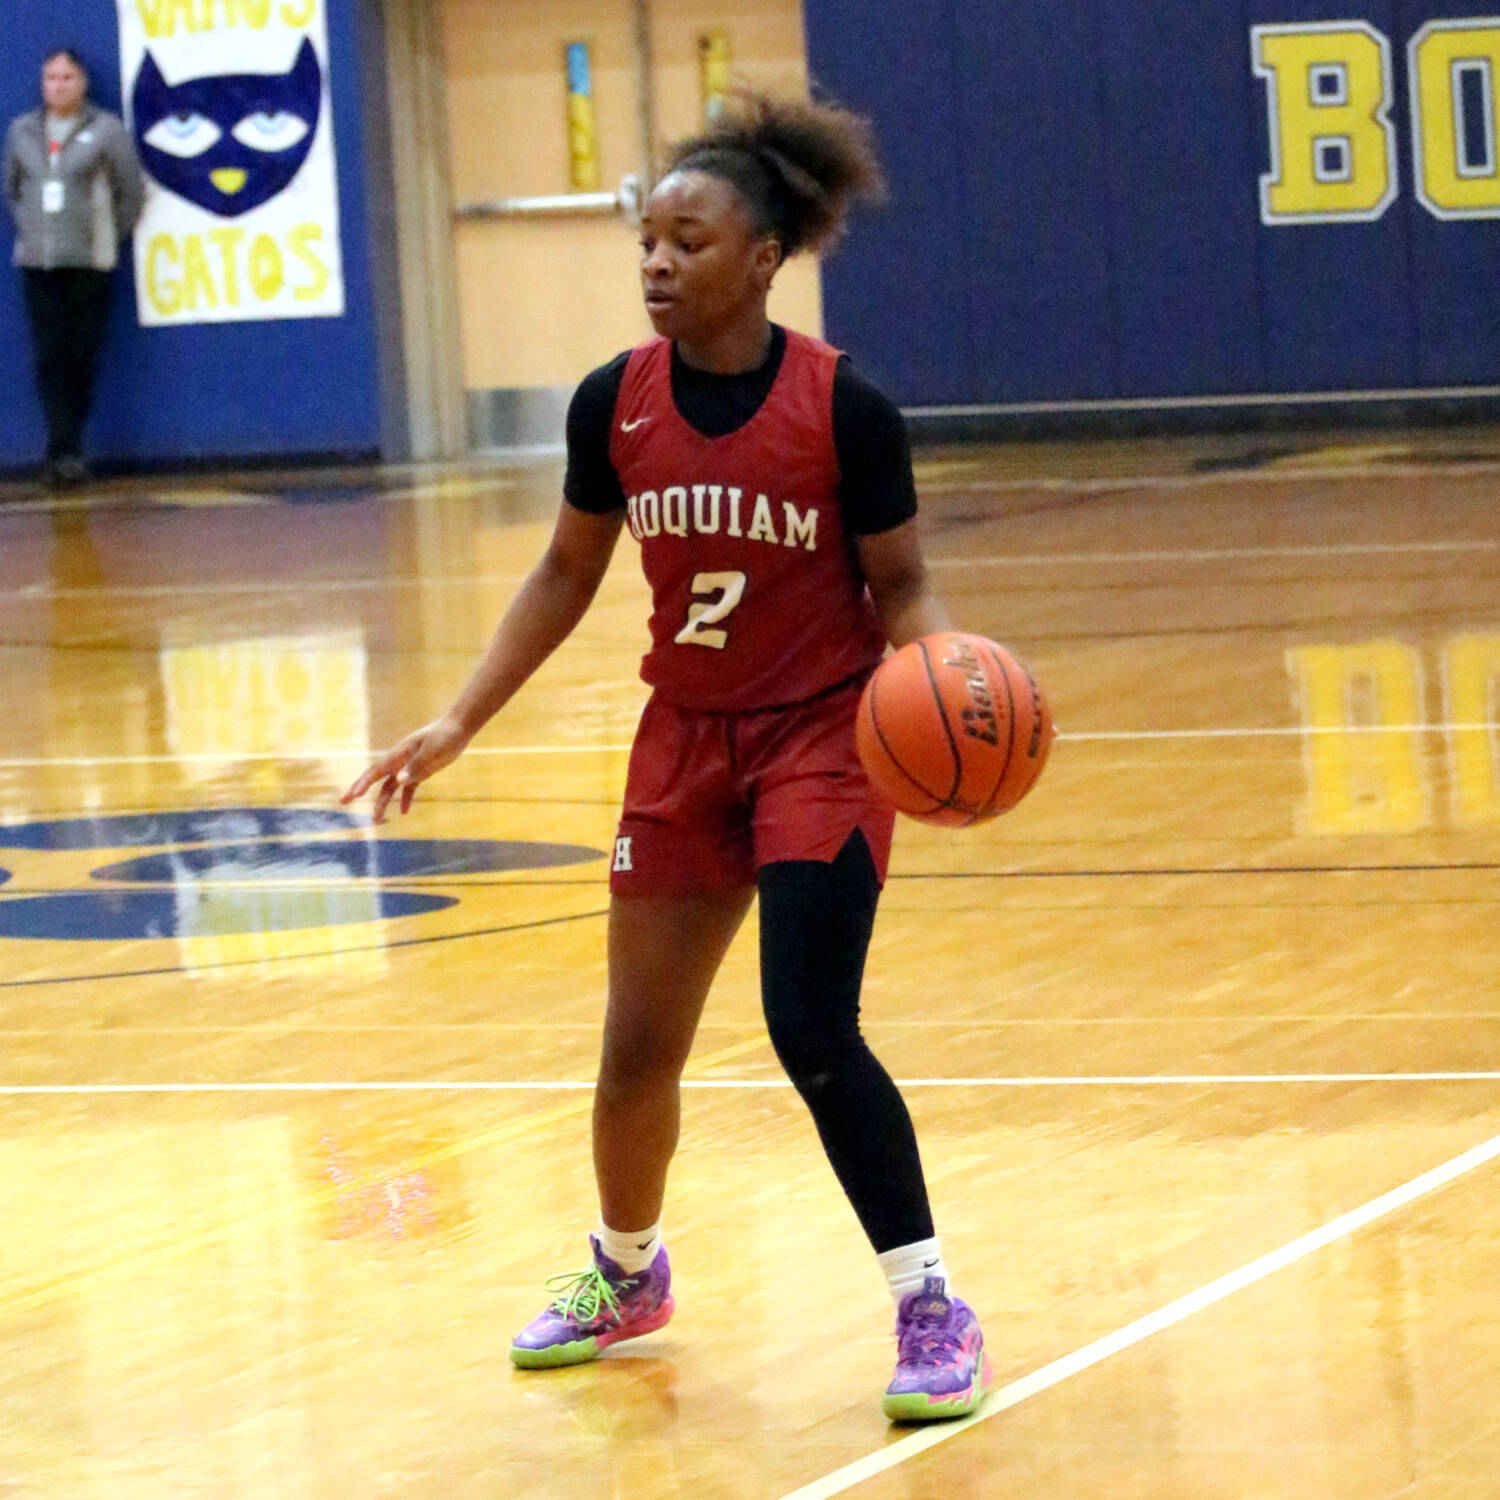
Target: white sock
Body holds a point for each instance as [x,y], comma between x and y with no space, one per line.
[631,1250]
[907,1267]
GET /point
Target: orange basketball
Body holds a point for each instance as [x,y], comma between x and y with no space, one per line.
[952,729]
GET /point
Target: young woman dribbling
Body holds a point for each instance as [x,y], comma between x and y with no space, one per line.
[770,489]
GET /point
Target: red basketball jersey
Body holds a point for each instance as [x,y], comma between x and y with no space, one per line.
[757,599]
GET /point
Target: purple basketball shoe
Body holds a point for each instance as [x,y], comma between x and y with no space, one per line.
[941,1369]
[593,1309]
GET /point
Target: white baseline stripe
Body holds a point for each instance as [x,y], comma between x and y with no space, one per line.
[1309,474]
[1269,731]
[1144,1328]
[575,1085]
[1206,554]
[257,587]
[237,757]
[340,752]
[1208,402]
[1175,1080]
[269,586]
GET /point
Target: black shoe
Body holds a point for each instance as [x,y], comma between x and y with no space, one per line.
[52,476]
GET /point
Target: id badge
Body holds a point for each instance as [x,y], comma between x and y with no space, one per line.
[52,196]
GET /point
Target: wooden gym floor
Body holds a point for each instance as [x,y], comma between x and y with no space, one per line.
[1203,1041]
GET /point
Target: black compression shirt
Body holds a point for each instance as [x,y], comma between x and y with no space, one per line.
[876,490]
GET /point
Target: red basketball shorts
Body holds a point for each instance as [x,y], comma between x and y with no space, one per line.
[710,798]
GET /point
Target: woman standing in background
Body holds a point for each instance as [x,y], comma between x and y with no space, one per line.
[75,190]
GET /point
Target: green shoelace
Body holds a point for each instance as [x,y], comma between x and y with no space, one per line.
[582,1295]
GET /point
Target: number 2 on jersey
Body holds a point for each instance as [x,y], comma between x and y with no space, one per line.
[706,612]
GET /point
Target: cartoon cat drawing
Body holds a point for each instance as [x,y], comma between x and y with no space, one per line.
[228,141]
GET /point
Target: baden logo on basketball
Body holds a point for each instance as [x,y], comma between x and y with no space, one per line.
[952,729]
[978,717]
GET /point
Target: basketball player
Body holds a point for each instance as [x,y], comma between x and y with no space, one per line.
[770,489]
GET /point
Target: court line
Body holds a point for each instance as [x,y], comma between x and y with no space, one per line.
[577,1085]
[1216,401]
[463,882]
[1123,736]
[1208,554]
[1179,1311]
[1137,872]
[1268,731]
[390,945]
[41,592]
[709,1024]
[70,1283]
[353,754]
[1095,484]
[164,498]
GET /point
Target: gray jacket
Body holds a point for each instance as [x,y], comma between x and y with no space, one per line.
[101,184]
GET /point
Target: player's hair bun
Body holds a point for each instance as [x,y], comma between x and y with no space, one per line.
[800,166]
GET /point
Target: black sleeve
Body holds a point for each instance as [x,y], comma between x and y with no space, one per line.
[591,482]
[876,488]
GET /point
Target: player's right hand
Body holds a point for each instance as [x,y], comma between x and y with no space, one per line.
[404,768]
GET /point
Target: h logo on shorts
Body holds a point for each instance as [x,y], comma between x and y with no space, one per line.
[622,854]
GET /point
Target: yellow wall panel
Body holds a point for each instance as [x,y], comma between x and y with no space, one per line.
[508,91]
[766,44]
[543,301]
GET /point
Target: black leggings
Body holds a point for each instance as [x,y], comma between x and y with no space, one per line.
[815,925]
[68,309]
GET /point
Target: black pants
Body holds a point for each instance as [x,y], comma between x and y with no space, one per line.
[815,926]
[68,308]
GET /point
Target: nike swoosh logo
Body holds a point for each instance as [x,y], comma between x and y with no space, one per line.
[644,1243]
[927,1265]
[631,426]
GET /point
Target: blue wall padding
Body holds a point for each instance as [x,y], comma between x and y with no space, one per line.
[1075,213]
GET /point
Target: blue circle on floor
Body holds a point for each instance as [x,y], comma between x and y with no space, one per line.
[4,876]
[123,916]
[195,826]
[359,859]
